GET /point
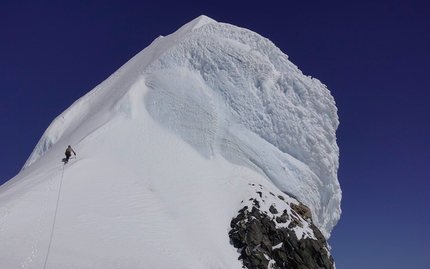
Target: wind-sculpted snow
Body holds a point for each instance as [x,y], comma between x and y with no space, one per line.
[228,90]
[225,91]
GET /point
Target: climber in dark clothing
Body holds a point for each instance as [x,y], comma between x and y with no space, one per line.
[68,153]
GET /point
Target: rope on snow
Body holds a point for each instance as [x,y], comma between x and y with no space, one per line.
[55,218]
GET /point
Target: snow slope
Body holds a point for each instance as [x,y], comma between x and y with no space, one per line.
[167,148]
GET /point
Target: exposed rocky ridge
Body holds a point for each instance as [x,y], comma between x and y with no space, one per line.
[277,232]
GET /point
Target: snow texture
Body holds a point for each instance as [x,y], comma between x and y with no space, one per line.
[167,148]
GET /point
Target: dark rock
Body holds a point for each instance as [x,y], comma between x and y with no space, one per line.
[273,210]
[244,209]
[268,225]
[277,238]
[280,254]
[256,212]
[256,203]
[266,244]
[302,210]
[254,234]
[237,219]
[283,218]
[294,223]
[238,238]
[261,241]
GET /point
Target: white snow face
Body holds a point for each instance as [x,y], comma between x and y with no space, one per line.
[167,148]
[228,90]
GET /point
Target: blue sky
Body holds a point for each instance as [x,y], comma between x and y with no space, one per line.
[373,55]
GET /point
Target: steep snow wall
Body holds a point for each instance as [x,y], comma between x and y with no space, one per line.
[225,91]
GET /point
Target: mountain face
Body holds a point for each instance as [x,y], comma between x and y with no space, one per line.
[208,149]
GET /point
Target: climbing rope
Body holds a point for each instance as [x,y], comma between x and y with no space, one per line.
[55,218]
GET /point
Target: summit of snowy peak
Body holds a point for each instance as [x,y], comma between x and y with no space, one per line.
[200,21]
[191,26]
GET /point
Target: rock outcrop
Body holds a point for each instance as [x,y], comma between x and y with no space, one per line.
[277,232]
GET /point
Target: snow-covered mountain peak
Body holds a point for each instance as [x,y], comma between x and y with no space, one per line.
[175,138]
[196,23]
[224,90]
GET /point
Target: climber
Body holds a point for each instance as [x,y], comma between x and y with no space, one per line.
[68,153]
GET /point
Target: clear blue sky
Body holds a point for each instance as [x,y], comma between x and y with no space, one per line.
[373,55]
